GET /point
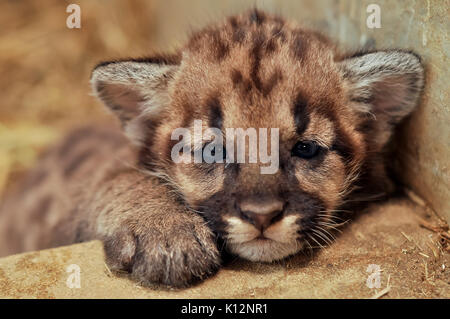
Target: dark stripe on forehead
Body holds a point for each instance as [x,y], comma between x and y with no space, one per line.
[256,56]
[214,42]
[299,44]
[271,82]
[257,17]
[215,112]
[221,48]
[236,77]
[244,85]
[300,111]
[237,29]
[277,37]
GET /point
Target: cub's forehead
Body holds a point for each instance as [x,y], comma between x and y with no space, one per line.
[261,34]
[255,58]
[258,70]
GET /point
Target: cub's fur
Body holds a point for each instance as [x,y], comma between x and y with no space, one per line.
[162,221]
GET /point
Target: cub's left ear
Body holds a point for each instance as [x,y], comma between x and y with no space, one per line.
[386,84]
[136,91]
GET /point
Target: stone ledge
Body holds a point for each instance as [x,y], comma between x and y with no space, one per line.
[388,235]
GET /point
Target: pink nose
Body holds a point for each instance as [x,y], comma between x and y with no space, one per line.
[261,212]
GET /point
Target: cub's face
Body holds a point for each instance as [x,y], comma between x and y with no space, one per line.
[278,130]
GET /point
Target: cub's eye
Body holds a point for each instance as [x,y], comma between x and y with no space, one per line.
[305,149]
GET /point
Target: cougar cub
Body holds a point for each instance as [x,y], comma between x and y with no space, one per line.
[161,219]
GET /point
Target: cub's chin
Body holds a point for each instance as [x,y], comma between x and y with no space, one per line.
[264,250]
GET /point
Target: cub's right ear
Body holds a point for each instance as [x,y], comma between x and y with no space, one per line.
[385,84]
[134,89]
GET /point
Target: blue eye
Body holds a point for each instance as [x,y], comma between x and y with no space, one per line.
[305,149]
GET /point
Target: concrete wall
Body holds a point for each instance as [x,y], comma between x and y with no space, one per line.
[423,148]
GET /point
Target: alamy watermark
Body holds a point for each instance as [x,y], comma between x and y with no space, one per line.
[374,18]
[207,146]
[374,279]
[74,278]
[73,20]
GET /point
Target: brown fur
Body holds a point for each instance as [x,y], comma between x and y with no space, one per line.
[161,220]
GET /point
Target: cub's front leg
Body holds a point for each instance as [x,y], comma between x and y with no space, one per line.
[148,233]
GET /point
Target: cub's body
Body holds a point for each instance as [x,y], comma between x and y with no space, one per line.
[35,213]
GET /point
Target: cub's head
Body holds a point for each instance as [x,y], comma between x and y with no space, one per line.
[264,128]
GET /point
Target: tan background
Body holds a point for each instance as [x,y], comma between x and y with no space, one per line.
[45,67]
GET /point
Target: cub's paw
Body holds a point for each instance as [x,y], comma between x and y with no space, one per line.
[171,252]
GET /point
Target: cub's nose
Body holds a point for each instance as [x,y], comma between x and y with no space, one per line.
[261,212]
